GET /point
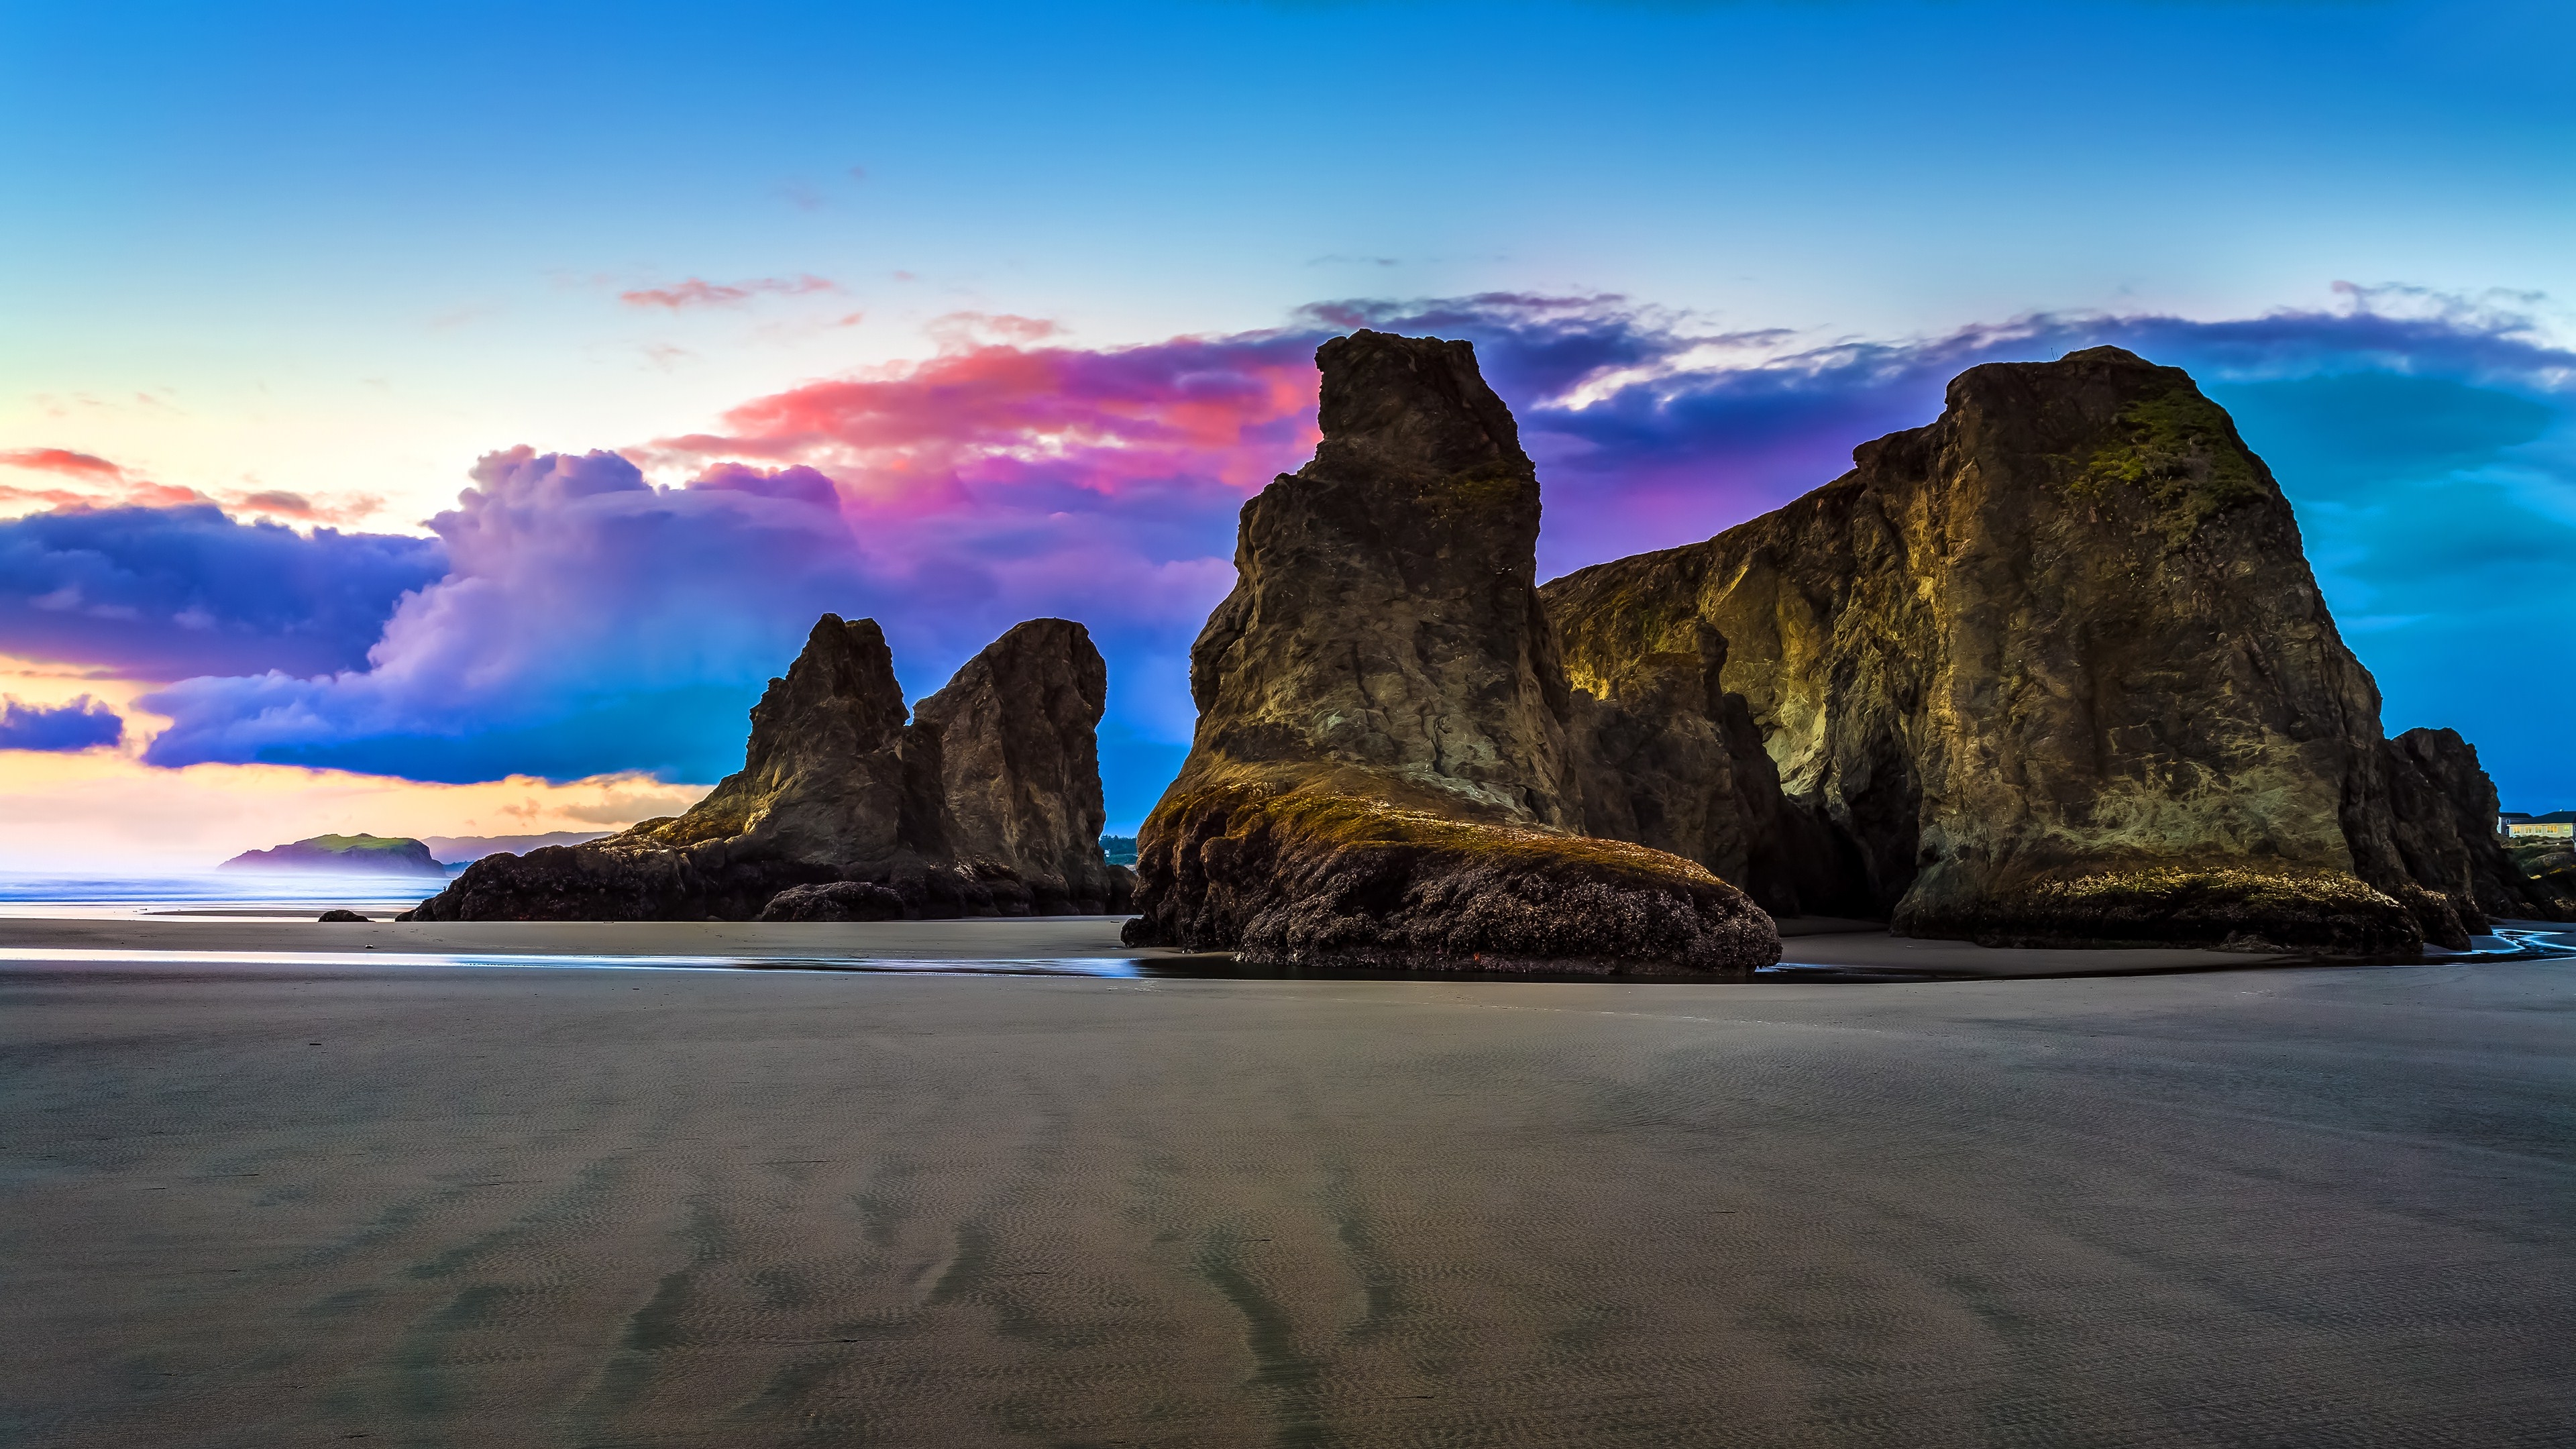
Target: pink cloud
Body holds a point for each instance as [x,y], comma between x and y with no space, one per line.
[999,421]
[698,292]
[90,482]
[280,503]
[61,460]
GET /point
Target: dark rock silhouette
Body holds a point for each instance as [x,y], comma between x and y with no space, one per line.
[1379,774]
[2442,814]
[2052,669]
[842,900]
[836,789]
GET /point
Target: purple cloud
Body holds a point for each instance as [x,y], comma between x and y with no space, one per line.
[83,724]
[587,621]
[166,593]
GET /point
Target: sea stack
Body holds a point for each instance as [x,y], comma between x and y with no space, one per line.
[1379,774]
[1012,743]
[2050,670]
[842,810]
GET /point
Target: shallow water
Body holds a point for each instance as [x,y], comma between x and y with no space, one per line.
[211,893]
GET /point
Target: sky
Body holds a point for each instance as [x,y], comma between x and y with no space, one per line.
[444,419]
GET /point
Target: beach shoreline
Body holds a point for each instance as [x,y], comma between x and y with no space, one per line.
[1822,943]
[432,1204]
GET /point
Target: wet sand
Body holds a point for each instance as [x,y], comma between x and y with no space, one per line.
[1812,940]
[283,1205]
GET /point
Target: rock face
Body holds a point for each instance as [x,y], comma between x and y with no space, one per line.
[838,791]
[2442,810]
[1013,744]
[343,854]
[2052,669]
[1380,772]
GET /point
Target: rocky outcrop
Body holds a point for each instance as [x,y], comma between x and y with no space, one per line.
[2052,669]
[1380,772]
[1013,743]
[2442,814]
[838,792]
[2550,867]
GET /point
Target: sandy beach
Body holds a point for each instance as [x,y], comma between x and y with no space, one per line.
[300,1204]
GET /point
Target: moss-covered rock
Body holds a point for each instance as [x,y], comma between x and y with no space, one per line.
[2235,907]
[1310,876]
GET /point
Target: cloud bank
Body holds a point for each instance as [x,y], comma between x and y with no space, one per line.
[168,593]
[584,620]
[83,724]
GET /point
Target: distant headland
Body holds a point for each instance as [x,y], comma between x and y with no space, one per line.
[344,854]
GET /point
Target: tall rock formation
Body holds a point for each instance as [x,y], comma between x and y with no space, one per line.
[1013,743]
[1380,773]
[841,809]
[2050,669]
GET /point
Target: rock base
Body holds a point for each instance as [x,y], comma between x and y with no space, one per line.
[587,883]
[1312,878]
[2234,908]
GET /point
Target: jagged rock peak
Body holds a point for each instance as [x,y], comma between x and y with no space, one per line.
[1411,406]
[987,804]
[820,773]
[1383,613]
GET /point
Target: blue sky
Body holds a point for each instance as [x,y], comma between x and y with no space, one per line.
[308,264]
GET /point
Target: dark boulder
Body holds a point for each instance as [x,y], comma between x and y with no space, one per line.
[842,900]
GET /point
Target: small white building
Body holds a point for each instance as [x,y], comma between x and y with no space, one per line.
[2560,825]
